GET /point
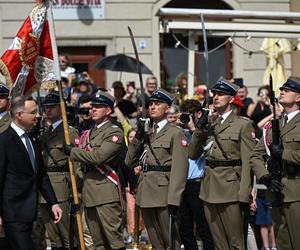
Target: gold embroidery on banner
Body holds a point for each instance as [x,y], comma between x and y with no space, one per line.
[29,50]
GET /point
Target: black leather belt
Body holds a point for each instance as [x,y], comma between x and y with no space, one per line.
[261,193]
[58,169]
[195,180]
[159,168]
[223,163]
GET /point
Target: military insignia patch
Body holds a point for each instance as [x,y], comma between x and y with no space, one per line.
[184,142]
[115,138]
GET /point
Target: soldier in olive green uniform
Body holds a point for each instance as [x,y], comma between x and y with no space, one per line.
[57,167]
[287,216]
[99,157]
[164,170]
[4,123]
[226,186]
[4,115]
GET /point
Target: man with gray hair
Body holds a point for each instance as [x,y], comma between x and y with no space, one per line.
[151,86]
[22,176]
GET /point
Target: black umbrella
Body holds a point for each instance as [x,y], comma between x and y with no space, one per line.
[121,62]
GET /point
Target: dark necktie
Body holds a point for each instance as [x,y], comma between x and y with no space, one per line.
[285,120]
[30,150]
[219,121]
[155,128]
[50,129]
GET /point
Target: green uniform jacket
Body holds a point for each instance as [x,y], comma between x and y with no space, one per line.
[4,122]
[290,138]
[54,143]
[226,184]
[106,143]
[158,189]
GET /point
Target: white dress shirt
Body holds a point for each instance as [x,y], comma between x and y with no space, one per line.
[225,115]
[21,133]
[160,125]
[56,124]
[291,115]
[2,114]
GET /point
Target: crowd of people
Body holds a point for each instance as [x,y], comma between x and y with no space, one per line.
[187,170]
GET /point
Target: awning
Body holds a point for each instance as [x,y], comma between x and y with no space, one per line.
[228,22]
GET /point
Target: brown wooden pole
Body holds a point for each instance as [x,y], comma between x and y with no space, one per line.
[136,227]
[71,168]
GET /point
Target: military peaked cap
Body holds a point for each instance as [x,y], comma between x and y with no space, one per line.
[52,98]
[103,98]
[4,91]
[293,83]
[162,95]
[225,87]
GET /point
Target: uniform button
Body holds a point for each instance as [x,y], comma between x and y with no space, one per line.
[215,147]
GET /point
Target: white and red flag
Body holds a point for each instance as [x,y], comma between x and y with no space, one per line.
[28,61]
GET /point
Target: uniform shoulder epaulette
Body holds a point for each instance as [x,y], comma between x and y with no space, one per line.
[245,118]
[176,127]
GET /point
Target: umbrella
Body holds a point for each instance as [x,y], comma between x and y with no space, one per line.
[275,49]
[121,62]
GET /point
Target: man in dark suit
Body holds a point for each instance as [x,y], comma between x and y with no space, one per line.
[22,177]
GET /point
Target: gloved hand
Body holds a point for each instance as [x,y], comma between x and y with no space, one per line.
[202,121]
[173,210]
[68,148]
[271,183]
[140,129]
[245,208]
[276,150]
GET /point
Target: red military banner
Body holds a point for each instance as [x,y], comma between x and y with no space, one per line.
[28,61]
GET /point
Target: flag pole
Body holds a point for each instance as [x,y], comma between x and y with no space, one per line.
[65,124]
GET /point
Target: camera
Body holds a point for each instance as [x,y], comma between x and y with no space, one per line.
[83,111]
[185,118]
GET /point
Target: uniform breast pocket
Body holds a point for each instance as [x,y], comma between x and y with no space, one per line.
[162,145]
[163,180]
[56,148]
[292,142]
[58,178]
[230,141]
[233,177]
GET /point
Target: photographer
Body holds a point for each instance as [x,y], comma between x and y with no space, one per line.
[261,109]
[84,112]
[191,209]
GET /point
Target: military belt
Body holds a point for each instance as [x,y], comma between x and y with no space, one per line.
[261,193]
[223,163]
[194,180]
[58,169]
[158,168]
